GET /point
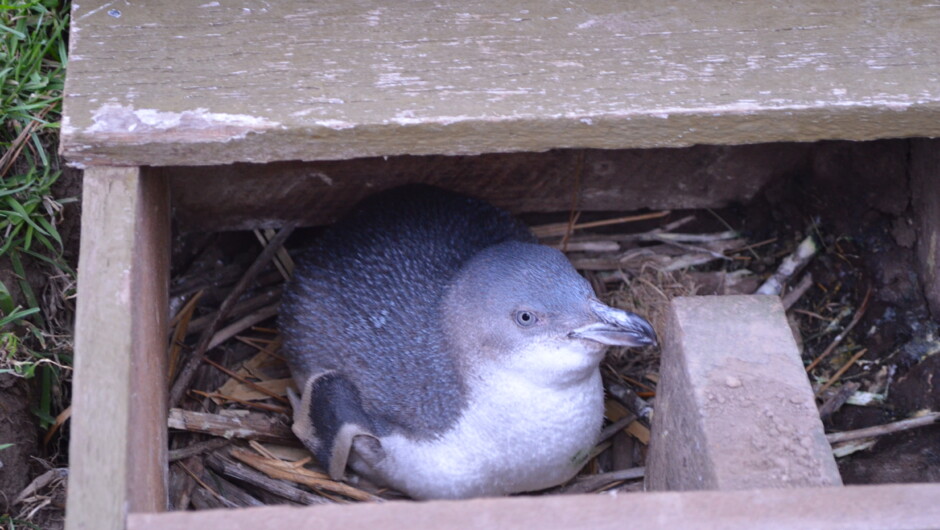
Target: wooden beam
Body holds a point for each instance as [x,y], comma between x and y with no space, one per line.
[118,439]
[320,80]
[244,196]
[734,409]
[857,508]
[925,184]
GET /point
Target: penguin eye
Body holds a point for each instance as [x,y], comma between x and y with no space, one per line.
[525,318]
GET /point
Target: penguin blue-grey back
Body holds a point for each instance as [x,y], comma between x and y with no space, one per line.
[367,294]
[430,335]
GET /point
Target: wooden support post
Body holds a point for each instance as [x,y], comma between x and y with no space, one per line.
[118,440]
[734,409]
[925,184]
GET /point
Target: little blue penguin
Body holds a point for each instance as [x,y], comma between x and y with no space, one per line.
[439,350]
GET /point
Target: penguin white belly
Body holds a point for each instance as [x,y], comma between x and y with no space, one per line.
[514,436]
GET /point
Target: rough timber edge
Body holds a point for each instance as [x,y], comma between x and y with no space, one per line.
[652,129]
[118,440]
[853,507]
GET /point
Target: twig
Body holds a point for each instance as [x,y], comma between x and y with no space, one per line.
[573,213]
[59,421]
[632,381]
[40,482]
[797,292]
[753,245]
[694,248]
[206,487]
[835,402]
[629,399]
[248,427]
[283,261]
[672,237]
[603,245]
[642,236]
[21,140]
[242,324]
[183,485]
[665,257]
[835,377]
[887,428]
[262,450]
[841,336]
[790,266]
[232,492]
[295,472]
[226,466]
[271,294]
[616,427]
[594,482]
[242,402]
[817,316]
[622,448]
[219,278]
[260,345]
[187,309]
[181,323]
[246,382]
[189,369]
[560,229]
[669,227]
[197,449]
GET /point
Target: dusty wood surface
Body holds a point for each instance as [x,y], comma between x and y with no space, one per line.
[857,508]
[243,196]
[734,409]
[197,82]
[118,438]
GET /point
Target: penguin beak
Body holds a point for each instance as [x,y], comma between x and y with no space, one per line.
[615,327]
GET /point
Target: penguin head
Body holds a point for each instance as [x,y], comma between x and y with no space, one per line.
[523,307]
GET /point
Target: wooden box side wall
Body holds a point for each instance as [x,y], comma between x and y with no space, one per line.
[118,438]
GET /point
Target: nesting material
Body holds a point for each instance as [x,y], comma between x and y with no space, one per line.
[230,418]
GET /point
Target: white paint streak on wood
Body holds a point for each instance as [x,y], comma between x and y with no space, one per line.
[93,11]
[120,118]
[116,119]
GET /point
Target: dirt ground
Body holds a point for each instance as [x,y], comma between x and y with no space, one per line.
[866,224]
[31,457]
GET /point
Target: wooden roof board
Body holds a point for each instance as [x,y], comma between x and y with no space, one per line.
[200,82]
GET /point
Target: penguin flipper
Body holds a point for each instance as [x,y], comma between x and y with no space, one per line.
[329,419]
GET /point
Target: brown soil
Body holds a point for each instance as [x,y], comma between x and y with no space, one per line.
[859,200]
[29,458]
[17,426]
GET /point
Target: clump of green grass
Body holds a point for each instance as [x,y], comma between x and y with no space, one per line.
[32,73]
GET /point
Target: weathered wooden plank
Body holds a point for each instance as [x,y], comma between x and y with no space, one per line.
[925,181]
[244,196]
[857,508]
[195,82]
[118,439]
[734,409]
